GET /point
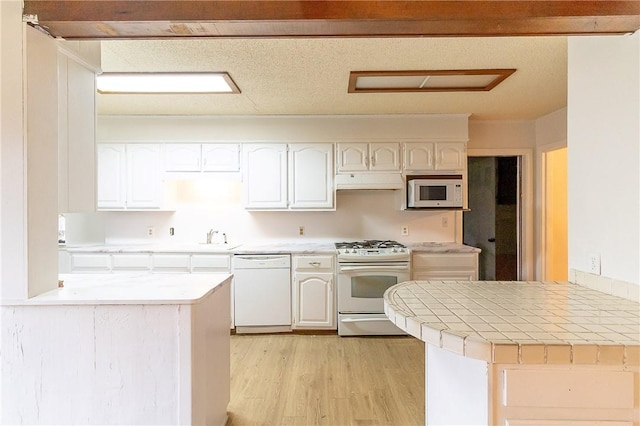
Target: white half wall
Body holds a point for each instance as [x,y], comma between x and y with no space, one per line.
[603,127]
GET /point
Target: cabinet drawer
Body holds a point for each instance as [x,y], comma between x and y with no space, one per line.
[90,263]
[170,263]
[210,263]
[313,262]
[131,262]
[444,261]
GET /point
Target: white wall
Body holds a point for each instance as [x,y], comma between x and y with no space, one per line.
[604,155]
[360,215]
[501,134]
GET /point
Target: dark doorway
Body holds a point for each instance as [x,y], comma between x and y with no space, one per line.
[493,222]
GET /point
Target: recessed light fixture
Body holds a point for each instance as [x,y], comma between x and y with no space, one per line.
[427,80]
[166,83]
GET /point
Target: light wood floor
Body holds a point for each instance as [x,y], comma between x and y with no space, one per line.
[326,380]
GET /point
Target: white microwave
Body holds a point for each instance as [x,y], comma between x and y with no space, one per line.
[435,191]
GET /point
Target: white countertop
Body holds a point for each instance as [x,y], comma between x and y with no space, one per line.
[129,289]
[267,247]
[519,322]
[432,247]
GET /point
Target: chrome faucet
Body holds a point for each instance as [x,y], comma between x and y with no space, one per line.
[210,235]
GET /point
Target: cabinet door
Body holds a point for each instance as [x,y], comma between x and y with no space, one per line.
[418,156]
[221,157]
[385,157]
[112,176]
[144,181]
[265,176]
[314,306]
[76,144]
[182,157]
[450,156]
[353,157]
[311,176]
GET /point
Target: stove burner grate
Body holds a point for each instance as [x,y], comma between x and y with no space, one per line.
[369,244]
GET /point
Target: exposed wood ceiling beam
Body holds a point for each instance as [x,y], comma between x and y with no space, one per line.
[100,19]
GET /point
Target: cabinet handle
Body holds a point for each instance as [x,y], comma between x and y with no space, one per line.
[373,161]
[314,263]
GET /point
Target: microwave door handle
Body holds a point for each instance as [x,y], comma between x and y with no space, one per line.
[374,268]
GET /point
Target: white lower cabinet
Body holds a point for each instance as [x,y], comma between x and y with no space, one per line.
[444,266]
[89,262]
[314,297]
[170,262]
[135,262]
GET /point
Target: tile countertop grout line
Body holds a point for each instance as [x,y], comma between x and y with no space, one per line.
[582,346]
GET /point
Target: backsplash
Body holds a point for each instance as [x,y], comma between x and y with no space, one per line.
[606,285]
[369,214]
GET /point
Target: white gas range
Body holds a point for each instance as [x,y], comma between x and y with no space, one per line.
[366,269]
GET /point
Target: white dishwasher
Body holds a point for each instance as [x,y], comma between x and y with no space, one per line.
[262,293]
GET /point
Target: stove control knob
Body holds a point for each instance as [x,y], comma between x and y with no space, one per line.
[394,250]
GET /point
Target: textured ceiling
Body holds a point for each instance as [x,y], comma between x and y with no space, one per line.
[310,76]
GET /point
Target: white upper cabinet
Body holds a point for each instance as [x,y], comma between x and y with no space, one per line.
[427,156]
[301,179]
[373,157]
[265,176]
[220,157]
[195,157]
[144,180]
[311,176]
[112,187]
[129,176]
[451,156]
[182,157]
[76,136]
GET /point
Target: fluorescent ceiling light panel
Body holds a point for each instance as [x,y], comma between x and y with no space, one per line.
[166,83]
[427,81]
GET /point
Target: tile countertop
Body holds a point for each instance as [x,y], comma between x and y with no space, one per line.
[429,247]
[519,322]
[261,247]
[128,289]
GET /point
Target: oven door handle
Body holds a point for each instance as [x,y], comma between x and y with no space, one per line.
[364,319]
[373,268]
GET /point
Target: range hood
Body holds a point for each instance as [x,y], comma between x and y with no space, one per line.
[369,181]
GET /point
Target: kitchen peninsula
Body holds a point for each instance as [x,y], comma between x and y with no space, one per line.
[120,349]
[522,353]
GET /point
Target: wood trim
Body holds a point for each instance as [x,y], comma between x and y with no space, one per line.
[502,74]
[103,19]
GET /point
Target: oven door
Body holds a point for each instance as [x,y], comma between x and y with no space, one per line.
[361,286]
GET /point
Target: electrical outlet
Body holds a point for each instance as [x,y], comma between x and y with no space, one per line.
[445,222]
[405,230]
[150,231]
[300,230]
[594,263]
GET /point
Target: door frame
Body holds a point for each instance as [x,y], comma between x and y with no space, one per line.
[541,151]
[527,267]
